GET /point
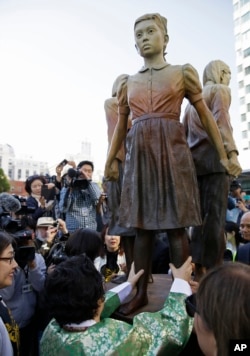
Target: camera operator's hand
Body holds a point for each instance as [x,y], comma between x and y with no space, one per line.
[51,234]
[72,164]
[62,226]
[59,170]
[42,201]
[241,205]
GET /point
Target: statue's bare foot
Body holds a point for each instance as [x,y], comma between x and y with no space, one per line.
[137,302]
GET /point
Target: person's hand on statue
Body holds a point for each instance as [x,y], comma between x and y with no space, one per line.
[184,272]
[112,170]
[133,277]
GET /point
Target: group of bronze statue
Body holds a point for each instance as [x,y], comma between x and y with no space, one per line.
[164,174]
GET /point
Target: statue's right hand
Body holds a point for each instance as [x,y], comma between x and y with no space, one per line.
[111,171]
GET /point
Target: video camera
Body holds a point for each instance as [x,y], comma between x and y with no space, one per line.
[77,181]
[16,204]
[23,252]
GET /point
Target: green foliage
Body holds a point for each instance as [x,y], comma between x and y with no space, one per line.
[4,182]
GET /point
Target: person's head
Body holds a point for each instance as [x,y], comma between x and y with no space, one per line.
[151,34]
[33,184]
[245,226]
[217,72]
[87,167]
[44,224]
[223,308]
[235,189]
[7,260]
[232,232]
[74,291]
[86,241]
[112,243]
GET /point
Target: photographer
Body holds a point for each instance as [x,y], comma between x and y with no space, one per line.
[79,200]
[22,296]
[50,236]
[36,200]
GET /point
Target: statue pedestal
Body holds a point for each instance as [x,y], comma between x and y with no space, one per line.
[157,294]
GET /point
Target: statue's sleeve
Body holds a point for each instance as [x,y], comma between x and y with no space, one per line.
[193,88]
[219,106]
[123,107]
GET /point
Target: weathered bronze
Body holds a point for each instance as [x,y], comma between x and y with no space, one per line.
[160,190]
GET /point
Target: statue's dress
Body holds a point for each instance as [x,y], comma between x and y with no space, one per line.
[159,186]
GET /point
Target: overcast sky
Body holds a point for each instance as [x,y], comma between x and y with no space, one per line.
[59,58]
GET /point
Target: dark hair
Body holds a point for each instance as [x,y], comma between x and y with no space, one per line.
[235,185]
[103,234]
[5,241]
[72,290]
[223,303]
[31,179]
[28,221]
[86,241]
[231,226]
[82,163]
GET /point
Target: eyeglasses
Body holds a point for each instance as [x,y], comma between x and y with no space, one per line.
[9,259]
[191,305]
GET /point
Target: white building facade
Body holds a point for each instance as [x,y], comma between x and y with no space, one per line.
[242,46]
[19,168]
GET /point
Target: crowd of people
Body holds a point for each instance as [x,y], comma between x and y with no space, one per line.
[168,211]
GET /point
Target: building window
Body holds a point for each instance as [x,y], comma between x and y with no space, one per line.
[248,107]
[243,117]
[247,70]
[244,134]
[248,89]
[19,174]
[27,173]
[10,173]
[246,35]
[236,6]
[241,84]
[243,2]
[242,100]
[248,126]
[245,17]
[239,68]
[246,52]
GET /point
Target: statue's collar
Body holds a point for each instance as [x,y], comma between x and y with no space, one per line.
[156,67]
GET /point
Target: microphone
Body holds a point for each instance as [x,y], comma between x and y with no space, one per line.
[8,203]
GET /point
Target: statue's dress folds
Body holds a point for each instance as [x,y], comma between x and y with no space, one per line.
[159,187]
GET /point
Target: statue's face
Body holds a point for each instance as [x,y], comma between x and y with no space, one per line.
[149,38]
[226,76]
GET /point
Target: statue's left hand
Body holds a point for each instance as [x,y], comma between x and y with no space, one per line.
[111,170]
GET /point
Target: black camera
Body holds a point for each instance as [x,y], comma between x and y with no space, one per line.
[25,210]
[77,181]
[23,252]
[56,254]
[8,224]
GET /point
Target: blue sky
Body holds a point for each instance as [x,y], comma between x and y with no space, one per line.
[58,61]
